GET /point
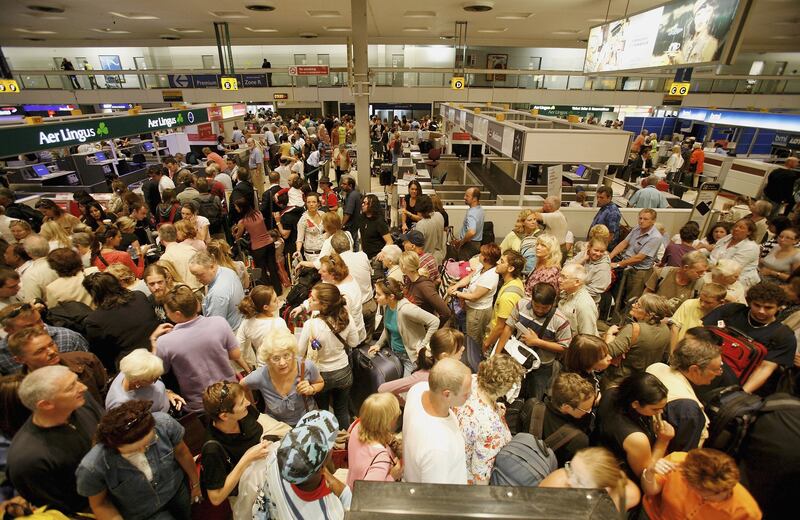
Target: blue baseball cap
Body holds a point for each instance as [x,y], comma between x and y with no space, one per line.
[303,450]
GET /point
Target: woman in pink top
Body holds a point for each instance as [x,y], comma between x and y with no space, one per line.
[215,157]
[262,245]
[104,251]
[187,234]
[370,452]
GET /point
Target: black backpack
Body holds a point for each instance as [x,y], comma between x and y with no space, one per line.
[532,421]
[488,233]
[26,213]
[69,315]
[731,412]
[212,210]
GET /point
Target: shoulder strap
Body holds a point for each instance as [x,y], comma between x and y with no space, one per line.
[221,447]
[662,273]
[635,330]
[514,289]
[546,322]
[780,404]
[561,436]
[537,419]
[338,336]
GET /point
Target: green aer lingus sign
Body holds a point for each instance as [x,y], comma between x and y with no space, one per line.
[30,138]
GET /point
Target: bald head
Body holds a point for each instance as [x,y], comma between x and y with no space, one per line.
[450,379]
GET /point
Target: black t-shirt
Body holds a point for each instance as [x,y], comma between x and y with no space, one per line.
[372,232]
[42,461]
[289,221]
[411,209]
[446,219]
[613,427]
[780,184]
[553,420]
[216,465]
[114,333]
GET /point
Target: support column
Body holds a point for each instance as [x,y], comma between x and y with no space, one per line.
[360,84]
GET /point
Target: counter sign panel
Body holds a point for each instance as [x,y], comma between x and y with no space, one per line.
[228,83]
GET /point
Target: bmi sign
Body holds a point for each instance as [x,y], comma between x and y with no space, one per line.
[309,70]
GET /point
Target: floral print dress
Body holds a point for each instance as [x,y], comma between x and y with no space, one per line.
[542,274]
[485,433]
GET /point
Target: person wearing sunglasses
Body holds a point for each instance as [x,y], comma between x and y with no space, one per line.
[140,467]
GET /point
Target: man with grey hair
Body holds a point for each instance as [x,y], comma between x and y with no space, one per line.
[678,284]
[224,290]
[576,303]
[694,363]
[178,254]
[759,211]
[47,449]
[649,196]
[35,279]
[555,222]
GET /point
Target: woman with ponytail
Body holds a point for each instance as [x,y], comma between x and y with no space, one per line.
[407,328]
[105,253]
[260,309]
[445,343]
[326,339]
[596,468]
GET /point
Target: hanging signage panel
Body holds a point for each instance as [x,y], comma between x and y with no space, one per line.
[508,141]
[24,139]
[481,128]
[518,145]
[494,137]
[469,122]
[765,120]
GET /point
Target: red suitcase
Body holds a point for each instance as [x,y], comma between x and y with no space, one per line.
[739,351]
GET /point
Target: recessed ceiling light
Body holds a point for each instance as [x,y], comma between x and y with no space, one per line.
[133,16]
[565,33]
[323,14]
[229,15]
[32,31]
[308,35]
[337,29]
[478,7]
[46,8]
[419,14]
[514,16]
[106,30]
[185,31]
[262,8]
[416,29]
[495,30]
[251,29]
[601,20]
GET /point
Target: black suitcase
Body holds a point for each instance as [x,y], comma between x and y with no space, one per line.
[371,372]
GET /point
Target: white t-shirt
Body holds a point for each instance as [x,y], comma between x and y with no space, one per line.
[201,222]
[433,447]
[352,295]
[489,280]
[361,269]
[556,224]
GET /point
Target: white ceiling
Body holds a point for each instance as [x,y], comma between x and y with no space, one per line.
[772,25]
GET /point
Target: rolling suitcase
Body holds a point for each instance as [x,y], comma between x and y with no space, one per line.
[371,372]
[739,351]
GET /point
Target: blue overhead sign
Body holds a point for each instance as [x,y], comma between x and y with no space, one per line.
[180,81]
[764,120]
[252,80]
[206,81]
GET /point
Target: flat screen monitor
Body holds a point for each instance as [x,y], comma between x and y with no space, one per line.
[676,34]
[147,146]
[41,170]
[581,170]
[100,156]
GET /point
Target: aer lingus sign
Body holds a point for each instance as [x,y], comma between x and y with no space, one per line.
[30,138]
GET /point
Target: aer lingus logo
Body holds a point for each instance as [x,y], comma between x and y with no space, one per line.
[102,129]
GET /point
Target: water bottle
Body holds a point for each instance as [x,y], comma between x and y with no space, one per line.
[134,254]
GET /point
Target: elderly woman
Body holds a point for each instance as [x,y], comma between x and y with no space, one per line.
[369,448]
[548,263]
[726,273]
[702,483]
[598,266]
[53,213]
[286,381]
[139,467]
[407,328]
[139,378]
[641,343]
[82,243]
[523,238]
[481,417]
[390,258]
[739,246]
[68,287]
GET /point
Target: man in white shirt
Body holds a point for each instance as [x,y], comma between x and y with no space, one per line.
[38,276]
[555,221]
[179,254]
[269,135]
[433,446]
[164,181]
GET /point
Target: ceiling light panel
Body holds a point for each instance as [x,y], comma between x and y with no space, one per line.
[337,29]
[323,14]
[185,31]
[416,29]
[229,15]
[419,14]
[493,31]
[32,31]
[267,30]
[133,16]
[110,31]
[514,16]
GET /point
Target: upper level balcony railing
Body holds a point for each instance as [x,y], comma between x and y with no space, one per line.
[705,83]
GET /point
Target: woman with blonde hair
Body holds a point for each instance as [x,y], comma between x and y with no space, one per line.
[328,336]
[55,235]
[127,226]
[481,417]
[523,238]
[548,263]
[187,233]
[189,213]
[286,381]
[221,251]
[371,447]
[639,344]
[332,224]
[596,468]
[260,309]
[127,278]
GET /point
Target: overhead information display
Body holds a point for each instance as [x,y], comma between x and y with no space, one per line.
[680,33]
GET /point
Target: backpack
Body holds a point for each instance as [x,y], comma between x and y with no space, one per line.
[69,315]
[210,209]
[488,233]
[532,416]
[525,461]
[26,213]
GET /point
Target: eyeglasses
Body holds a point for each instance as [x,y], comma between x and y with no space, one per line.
[223,396]
[282,357]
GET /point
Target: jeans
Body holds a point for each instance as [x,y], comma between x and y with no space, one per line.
[179,507]
[408,365]
[337,393]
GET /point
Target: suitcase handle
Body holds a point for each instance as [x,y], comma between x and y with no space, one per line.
[740,333]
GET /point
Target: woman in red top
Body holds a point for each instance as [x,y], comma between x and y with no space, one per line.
[105,253]
[262,244]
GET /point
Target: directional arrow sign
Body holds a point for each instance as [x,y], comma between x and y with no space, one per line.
[180,81]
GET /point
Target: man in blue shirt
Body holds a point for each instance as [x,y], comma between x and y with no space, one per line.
[649,196]
[223,288]
[638,251]
[608,214]
[469,244]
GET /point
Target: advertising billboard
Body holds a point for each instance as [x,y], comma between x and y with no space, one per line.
[678,34]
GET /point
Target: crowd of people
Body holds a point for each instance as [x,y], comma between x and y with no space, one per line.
[130,323]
